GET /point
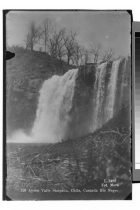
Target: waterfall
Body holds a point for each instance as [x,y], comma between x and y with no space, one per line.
[105,93]
[55,103]
[71,105]
[55,118]
[111,90]
[99,94]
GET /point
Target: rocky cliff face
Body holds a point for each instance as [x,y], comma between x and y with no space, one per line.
[101,91]
[82,109]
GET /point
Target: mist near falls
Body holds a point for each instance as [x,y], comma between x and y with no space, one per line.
[56,117]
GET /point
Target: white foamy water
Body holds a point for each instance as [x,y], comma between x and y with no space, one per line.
[20,136]
[99,91]
[54,105]
[111,92]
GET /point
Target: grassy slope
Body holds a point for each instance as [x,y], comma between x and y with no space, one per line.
[80,163]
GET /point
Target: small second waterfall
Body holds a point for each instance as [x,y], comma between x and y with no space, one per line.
[105,90]
[111,90]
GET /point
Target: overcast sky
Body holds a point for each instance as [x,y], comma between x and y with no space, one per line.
[111,29]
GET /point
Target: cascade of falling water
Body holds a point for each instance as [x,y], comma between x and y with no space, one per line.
[111,90]
[99,90]
[123,82]
[55,103]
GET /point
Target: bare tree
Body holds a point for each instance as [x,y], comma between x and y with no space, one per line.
[108,55]
[77,54]
[60,44]
[46,32]
[69,42]
[32,36]
[56,44]
[96,52]
[85,56]
[100,55]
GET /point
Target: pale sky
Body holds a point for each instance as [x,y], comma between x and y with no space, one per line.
[110,29]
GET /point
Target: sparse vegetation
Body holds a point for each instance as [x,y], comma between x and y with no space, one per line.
[81,163]
[62,44]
